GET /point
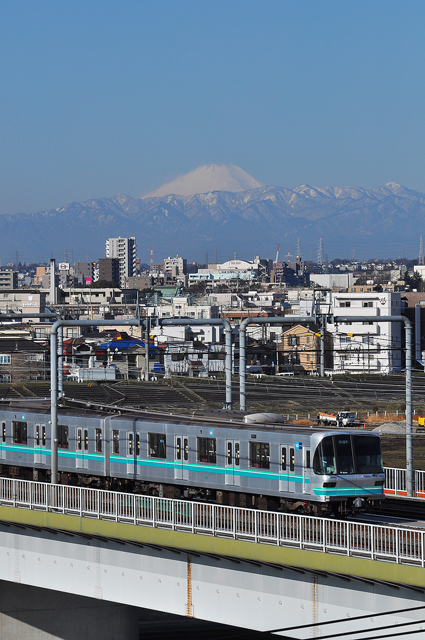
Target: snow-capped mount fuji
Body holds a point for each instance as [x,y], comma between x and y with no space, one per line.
[209,177]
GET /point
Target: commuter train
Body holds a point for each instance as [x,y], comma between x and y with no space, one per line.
[237,459]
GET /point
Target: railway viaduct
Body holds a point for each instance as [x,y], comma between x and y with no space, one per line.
[77,563]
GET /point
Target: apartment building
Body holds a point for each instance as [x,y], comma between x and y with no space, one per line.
[125,250]
[371,346]
[8,279]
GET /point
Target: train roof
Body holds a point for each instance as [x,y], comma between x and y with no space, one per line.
[224,419]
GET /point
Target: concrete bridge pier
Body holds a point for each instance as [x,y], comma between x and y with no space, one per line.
[32,613]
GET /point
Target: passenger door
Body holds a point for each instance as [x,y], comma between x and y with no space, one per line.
[231,469]
[37,444]
[82,448]
[181,457]
[3,440]
[283,468]
[291,469]
[306,470]
[130,452]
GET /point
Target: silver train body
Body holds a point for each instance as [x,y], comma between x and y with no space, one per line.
[276,466]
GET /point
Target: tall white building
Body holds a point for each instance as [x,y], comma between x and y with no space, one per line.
[125,250]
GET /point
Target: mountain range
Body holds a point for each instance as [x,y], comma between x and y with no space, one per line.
[384,221]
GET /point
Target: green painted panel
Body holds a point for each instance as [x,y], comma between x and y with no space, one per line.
[299,558]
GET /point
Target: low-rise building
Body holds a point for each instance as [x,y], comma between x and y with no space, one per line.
[300,349]
[23,360]
[22,301]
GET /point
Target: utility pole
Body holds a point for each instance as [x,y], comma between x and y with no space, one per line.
[148,330]
[322,345]
[368,354]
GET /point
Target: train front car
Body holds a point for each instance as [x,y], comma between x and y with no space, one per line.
[348,473]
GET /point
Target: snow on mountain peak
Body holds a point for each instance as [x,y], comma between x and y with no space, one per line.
[209,177]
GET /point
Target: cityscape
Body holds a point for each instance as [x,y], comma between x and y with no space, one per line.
[212,320]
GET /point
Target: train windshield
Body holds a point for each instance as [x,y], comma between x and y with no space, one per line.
[345,454]
[368,454]
[324,458]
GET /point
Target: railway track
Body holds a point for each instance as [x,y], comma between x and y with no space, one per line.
[413,508]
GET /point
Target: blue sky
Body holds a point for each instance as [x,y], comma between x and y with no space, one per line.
[105,97]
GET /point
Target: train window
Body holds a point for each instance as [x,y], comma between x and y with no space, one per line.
[130,444]
[186,449]
[19,432]
[3,431]
[98,438]
[158,444]
[178,448]
[324,458]
[237,454]
[43,435]
[79,440]
[344,454]
[115,441]
[86,440]
[63,436]
[37,434]
[283,459]
[292,459]
[137,444]
[229,453]
[367,450]
[307,459]
[207,450]
[259,455]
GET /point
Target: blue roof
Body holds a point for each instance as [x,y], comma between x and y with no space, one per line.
[126,344]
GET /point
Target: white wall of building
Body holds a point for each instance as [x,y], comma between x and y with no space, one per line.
[369,346]
[332,280]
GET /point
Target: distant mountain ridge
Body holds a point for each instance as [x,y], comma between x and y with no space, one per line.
[380,222]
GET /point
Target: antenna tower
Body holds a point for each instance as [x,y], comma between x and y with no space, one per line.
[421,251]
[151,261]
[320,252]
[298,249]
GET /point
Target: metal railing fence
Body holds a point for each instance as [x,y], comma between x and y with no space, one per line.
[377,542]
[395,482]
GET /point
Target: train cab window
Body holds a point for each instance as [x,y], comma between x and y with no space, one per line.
[98,439]
[43,435]
[291,459]
[3,431]
[63,436]
[115,441]
[237,454]
[137,444]
[324,458]
[344,455]
[20,432]
[283,459]
[207,450]
[158,445]
[130,444]
[259,455]
[367,451]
